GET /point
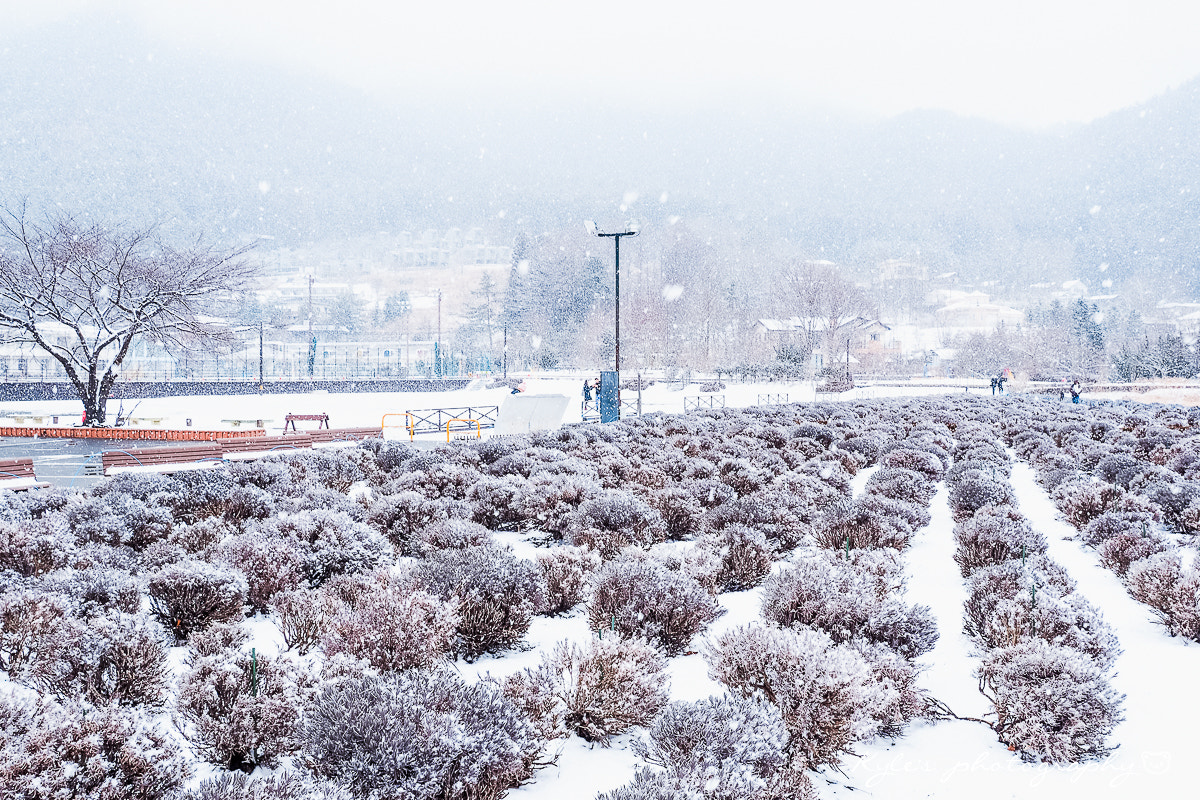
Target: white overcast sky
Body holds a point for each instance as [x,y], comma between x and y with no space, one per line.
[1026,62]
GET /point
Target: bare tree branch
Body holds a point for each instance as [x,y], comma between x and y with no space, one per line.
[83,293]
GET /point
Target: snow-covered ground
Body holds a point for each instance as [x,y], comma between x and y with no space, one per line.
[946,759]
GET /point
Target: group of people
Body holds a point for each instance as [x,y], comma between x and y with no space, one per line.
[590,388]
[1076,390]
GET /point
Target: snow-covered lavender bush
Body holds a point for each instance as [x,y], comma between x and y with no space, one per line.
[741,475]
[36,628]
[493,502]
[453,534]
[1172,500]
[98,590]
[54,751]
[566,570]
[333,469]
[682,514]
[1132,544]
[1110,523]
[1068,621]
[394,628]
[271,564]
[195,538]
[1161,582]
[192,595]
[1083,500]
[902,484]
[825,693]
[419,735]
[303,616]
[902,699]
[995,534]
[783,515]
[279,786]
[248,503]
[846,603]
[497,594]
[332,543]
[603,688]
[720,748]
[400,515]
[859,525]
[93,520]
[548,501]
[911,515]
[34,547]
[921,461]
[1052,703]
[107,662]
[989,585]
[639,597]
[614,520]
[195,494]
[974,489]
[445,481]
[242,708]
[744,555]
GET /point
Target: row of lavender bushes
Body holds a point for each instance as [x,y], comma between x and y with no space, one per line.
[379,567]
[1129,480]
[833,662]
[1048,652]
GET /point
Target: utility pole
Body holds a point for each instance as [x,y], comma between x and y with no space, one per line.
[260,354]
[312,340]
[437,346]
[616,237]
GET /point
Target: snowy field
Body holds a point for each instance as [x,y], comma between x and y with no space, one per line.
[943,759]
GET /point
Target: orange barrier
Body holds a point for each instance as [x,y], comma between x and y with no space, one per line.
[410,425]
[478,430]
[140,434]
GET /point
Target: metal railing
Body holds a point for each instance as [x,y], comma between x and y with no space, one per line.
[699,402]
[435,420]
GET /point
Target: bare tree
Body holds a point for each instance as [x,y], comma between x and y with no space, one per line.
[83,292]
[830,308]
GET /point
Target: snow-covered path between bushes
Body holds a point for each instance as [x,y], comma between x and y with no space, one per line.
[951,759]
[1156,672]
[960,759]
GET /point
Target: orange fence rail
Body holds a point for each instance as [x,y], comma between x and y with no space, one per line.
[478,430]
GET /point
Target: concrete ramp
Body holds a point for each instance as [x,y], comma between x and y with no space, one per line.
[522,413]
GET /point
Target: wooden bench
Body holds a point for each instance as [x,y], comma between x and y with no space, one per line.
[343,434]
[251,447]
[290,420]
[17,474]
[163,459]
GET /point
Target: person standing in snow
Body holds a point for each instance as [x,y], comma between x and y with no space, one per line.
[1076,390]
[587,394]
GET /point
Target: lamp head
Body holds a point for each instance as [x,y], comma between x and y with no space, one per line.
[590,226]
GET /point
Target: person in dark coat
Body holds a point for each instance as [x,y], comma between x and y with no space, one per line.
[1076,390]
[587,393]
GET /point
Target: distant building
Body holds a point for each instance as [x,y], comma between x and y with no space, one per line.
[974,311]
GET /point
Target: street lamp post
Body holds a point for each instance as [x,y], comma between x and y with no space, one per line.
[616,237]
